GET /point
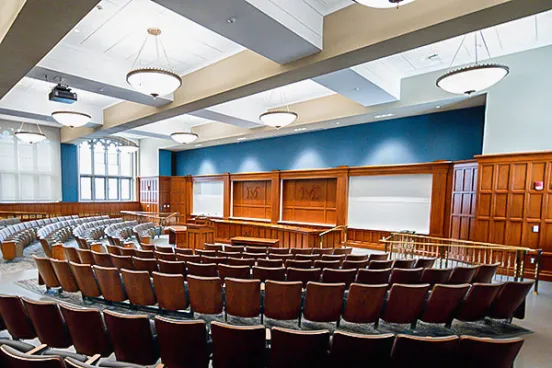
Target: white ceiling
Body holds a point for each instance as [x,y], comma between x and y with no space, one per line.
[326,7]
[177,124]
[516,36]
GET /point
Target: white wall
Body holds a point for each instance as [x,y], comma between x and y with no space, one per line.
[519,108]
[149,155]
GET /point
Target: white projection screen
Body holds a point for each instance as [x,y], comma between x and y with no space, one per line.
[390,202]
[208,198]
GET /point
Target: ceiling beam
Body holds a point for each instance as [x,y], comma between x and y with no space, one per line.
[37,28]
[352,36]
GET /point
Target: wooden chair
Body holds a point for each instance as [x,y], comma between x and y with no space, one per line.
[259,250]
[243,298]
[342,251]
[238,346]
[432,351]
[413,296]
[373,277]
[203,270]
[213,247]
[147,247]
[184,251]
[163,249]
[380,265]
[424,262]
[378,256]
[271,263]
[145,264]
[405,276]
[509,299]
[120,262]
[434,276]
[235,272]
[282,300]
[334,257]
[356,257]
[145,254]
[87,330]
[85,256]
[272,250]
[188,258]
[443,303]
[255,256]
[354,265]
[205,294]
[296,251]
[240,261]
[462,275]
[351,350]
[128,252]
[229,254]
[113,249]
[131,337]
[109,281]
[485,273]
[322,251]
[404,263]
[298,349]
[281,257]
[209,253]
[298,264]
[172,267]
[298,274]
[71,254]
[308,257]
[214,260]
[165,256]
[333,276]
[15,318]
[182,343]
[478,301]
[170,291]
[330,296]
[86,280]
[234,248]
[269,273]
[46,272]
[138,287]
[102,259]
[64,275]
[48,323]
[480,352]
[13,358]
[327,264]
[365,303]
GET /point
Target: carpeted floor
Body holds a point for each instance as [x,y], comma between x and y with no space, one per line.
[488,328]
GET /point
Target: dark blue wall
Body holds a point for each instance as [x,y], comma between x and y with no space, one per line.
[451,135]
[165,163]
[69,173]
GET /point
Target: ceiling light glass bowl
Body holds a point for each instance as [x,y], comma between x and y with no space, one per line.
[128,148]
[472,79]
[382,4]
[184,137]
[154,81]
[278,119]
[30,137]
[71,118]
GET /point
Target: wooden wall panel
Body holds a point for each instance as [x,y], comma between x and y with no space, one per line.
[310,201]
[509,205]
[252,199]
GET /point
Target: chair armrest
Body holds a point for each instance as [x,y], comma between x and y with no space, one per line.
[39,349]
[93,360]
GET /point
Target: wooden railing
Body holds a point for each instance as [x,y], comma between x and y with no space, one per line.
[158,218]
[453,252]
[342,228]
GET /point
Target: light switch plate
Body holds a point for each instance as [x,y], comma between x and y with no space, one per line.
[535,228]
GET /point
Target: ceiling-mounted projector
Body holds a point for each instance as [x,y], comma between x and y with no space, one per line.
[63,94]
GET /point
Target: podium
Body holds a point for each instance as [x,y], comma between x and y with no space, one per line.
[191,236]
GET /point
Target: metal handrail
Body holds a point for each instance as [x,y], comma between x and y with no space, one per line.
[339,227]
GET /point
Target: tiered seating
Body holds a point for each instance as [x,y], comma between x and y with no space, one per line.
[119,232]
[192,344]
[146,229]
[14,238]
[126,279]
[9,221]
[94,230]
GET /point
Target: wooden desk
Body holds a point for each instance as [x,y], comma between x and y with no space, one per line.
[260,242]
[177,235]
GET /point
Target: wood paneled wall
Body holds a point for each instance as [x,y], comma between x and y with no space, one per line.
[252,199]
[310,201]
[82,209]
[510,208]
[155,193]
[463,204]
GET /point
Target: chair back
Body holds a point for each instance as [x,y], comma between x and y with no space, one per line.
[216,260]
[182,343]
[323,264]
[132,338]
[485,273]
[184,251]
[203,270]
[260,250]
[434,276]
[489,353]
[272,250]
[340,251]
[334,257]
[296,251]
[170,291]
[509,299]
[303,264]
[308,257]
[330,296]
[401,295]
[146,254]
[378,256]
[236,272]
[64,275]
[243,297]
[351,350]
[364,303]
[238,346]
[373,277]
[303,275]
[424,262]
[87,330]
[145,264]
[86,280]
[462,275]
[356,257]
[213,247]
[102,259]
[129,252]
[109,281]
[236,261]
[443,303]
[85,256]
[71,254]
[270,263]
[380,265]
[120,262]
[48,323]
[138,287]
[15,318]
[15,359]
[46,271]
[405,276]
[234,248]
[188,258]
[355,265]
[322,251]
[172,267]
[165,256]
[282,300]
[269,273]
[433,351]
[297,349]
[477,302]
[339,276]
[205,294]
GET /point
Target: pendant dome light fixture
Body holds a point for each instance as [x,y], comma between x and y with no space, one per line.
[26,136]
[278,118]
[184,137]
[71,119]
[153,81]
[474,78]
[127,146]
[383,4]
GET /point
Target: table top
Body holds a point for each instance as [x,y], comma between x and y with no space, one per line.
[247,239]
[177,228]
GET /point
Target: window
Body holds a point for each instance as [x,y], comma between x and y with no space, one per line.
[29,173]
[208,198]
[106,174]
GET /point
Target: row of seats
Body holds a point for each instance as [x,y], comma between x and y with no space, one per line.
[146,229]
[119,232]
[192,343]
[61,231]
[94,230]
[14,238]
[9,221]
[358,303]
[273,250]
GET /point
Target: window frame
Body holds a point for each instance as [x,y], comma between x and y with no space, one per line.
[106,143]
